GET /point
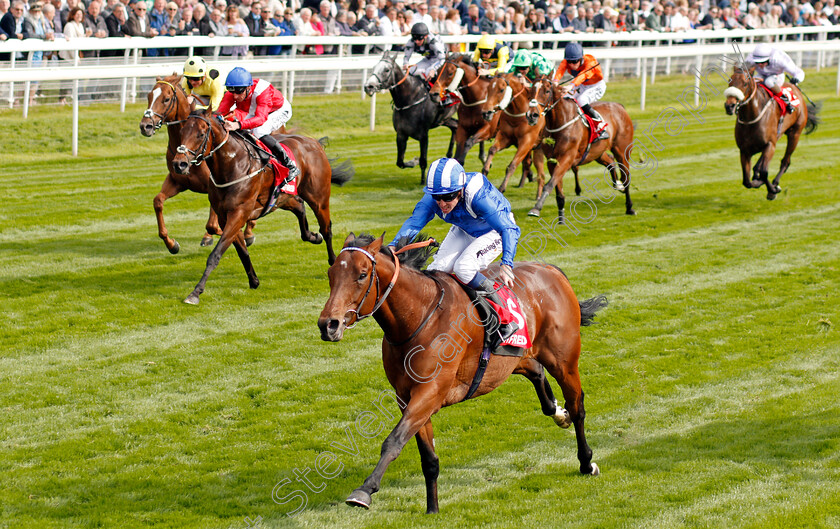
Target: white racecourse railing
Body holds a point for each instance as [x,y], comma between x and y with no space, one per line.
[646,48]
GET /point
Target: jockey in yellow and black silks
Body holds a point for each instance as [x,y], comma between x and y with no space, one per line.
[200,80]
[494,54]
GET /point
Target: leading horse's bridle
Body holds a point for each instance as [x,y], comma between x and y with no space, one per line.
[741,103]
[375,278]
[149,113]
[199,156]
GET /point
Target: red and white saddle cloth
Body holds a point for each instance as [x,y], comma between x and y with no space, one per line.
[512,313]
[788,91]
[281,172]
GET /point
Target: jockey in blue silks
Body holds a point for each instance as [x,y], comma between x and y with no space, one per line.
[482,228]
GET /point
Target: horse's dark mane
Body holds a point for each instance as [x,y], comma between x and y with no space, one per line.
[415,258]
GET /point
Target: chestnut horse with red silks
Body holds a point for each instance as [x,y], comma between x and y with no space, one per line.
[458,75]
[168,106]
[242,181]
[566,125]
[433,337]
[758,127]
[507,96]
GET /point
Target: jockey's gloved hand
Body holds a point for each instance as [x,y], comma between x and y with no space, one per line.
[796,81]
[506,275]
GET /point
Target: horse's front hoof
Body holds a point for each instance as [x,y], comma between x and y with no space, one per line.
[175,248]
[317,239]
[254,283]
[359,498]
[411,163]
[631,211]
[192,299]
[250,240]
[595,471]
[756,183]
[534,213]
[562,418]
[771,195]
[207,240]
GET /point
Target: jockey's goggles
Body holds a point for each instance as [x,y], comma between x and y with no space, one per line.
[236,89]
[446,197]
[196,78]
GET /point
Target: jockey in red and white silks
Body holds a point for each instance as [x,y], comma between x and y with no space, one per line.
[258,108]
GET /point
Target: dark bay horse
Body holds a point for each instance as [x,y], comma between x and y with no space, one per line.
[433,337]
[168,106]
[757,127]
[242,181]
[566,125]
[507,96]
[414,111]
[472,90]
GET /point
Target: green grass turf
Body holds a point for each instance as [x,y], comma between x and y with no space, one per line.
[711,380]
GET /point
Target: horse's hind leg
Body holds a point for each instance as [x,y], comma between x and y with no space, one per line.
[534,372]
[561,363]
[424,151]
[167,190]
[763,169]
[526,170]
[321,207]
[211,228]
[430,464]
[295,205]
[402,142]
[792,142]
[249,232]
[620,171]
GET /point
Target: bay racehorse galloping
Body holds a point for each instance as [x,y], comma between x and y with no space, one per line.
[566,125]
[168,105]
[242,181]
[758,127]
[459,75]
[414,111]
[509,94]
[433,338]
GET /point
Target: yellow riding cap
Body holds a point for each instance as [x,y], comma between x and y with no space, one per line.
[498,58]
[213,86]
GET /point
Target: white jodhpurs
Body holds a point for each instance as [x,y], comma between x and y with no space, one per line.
[275,120]
[588,94]
[464,255]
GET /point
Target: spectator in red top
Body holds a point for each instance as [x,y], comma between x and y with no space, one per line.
[254,105]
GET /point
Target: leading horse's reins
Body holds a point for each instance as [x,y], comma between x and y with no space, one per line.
[384,296]
[740,104]
[149,113]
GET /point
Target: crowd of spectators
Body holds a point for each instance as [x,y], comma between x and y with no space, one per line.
[75,19]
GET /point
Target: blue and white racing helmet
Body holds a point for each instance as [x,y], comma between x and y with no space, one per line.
[445,176]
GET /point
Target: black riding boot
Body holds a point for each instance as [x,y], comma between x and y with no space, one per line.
[599,121]
[790,108]
[271,142]
[488,291]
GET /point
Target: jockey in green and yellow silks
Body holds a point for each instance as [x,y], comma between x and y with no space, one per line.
[530,64]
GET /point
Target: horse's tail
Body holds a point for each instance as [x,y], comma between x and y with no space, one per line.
[589,307]
[813,116]
[341,173]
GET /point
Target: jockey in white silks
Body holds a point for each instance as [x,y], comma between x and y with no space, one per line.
[771,65]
